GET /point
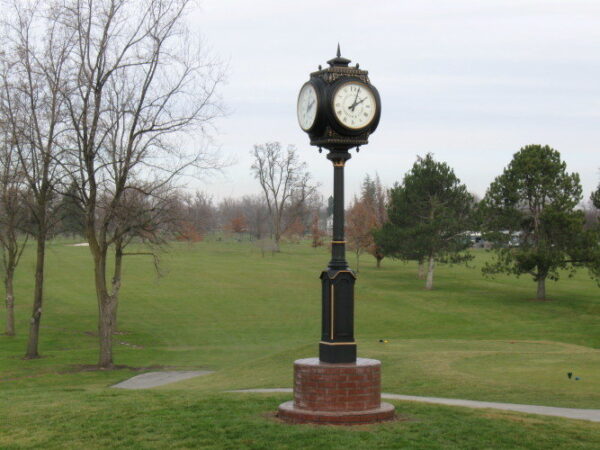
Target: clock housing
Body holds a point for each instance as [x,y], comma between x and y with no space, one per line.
[329,129]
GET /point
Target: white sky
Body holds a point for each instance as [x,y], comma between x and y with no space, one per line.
[470,80]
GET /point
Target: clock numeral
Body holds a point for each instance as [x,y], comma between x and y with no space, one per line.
[366,114]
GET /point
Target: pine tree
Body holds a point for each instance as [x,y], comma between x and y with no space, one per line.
[529,214]
[429,215]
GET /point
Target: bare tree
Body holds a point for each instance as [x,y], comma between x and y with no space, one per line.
[12,219]
[147,219]
[197,214]
[252,208]
[285,183]
[257,215]
[305,201]
[228,209]
[373,194]
[138,85]
[34,65]
[316,232]
[360,222]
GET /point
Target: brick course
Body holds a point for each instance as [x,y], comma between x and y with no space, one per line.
[336,393]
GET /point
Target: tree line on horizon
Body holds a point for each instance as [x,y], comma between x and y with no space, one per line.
[530,218]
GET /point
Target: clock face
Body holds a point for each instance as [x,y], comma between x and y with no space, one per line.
[354,105]
[307,106]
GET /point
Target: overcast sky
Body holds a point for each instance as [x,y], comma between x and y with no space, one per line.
[470,81]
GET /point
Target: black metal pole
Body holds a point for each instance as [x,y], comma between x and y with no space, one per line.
[338,244]
[337,332]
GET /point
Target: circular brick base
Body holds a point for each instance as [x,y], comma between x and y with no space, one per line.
[336,393]
[289,413]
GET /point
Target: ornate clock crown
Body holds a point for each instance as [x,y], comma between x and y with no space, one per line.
[339,67]
[339,60]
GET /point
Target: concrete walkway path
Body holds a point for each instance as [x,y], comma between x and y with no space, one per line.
[592,415]
[153,379]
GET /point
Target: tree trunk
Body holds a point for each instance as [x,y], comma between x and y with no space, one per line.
[429,281]
[378,262]
[114,308]
[357,262]
[541,288]
[421,273]
[10,303]
[38,296]
[116,282]
[105,309]
[105,330]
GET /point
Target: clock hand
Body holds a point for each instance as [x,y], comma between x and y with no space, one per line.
[308,108]
[354,104]
[362,100]
[355,98]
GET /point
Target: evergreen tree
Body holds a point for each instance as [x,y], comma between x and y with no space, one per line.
[429,215]
[529,215]
[596,197]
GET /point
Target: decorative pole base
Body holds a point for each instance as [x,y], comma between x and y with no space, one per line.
[337,336]
[341,394]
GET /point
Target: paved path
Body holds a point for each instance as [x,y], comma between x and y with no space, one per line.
[153,379]
[569,413]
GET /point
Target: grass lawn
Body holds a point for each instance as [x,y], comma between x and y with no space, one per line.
[221,306]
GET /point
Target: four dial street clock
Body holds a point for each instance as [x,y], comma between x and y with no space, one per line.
[339,108]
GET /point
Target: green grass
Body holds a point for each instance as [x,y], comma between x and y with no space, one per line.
[223,307]
[158,419]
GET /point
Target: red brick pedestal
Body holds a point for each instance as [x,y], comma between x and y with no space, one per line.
[341,393]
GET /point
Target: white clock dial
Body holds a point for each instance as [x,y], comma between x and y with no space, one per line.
[307,106]
[354,105]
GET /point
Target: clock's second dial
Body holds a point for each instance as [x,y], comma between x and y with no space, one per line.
[307,106]
[354,105]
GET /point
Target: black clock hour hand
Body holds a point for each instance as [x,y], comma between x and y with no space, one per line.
[356,103]
[359,102]
[310,105]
